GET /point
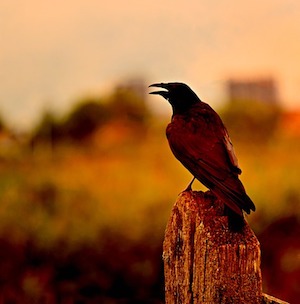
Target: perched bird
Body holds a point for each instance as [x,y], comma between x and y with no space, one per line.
[200,141]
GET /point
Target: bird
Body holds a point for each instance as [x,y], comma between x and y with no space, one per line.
[200,141]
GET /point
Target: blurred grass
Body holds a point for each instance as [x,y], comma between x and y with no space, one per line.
[90,217]
[72,193]
[271,176]
[128,185]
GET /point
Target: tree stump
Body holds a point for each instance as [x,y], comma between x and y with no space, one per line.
[204,262]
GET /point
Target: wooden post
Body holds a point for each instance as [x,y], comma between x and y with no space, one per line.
[204,262]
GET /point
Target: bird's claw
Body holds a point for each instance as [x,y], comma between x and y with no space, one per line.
[189,187]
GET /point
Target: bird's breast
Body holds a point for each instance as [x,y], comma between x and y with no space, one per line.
[192,136]
[187,126]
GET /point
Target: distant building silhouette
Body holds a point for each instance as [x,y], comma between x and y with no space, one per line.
[261,90]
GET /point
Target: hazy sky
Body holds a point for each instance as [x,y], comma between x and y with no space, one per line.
[53,52]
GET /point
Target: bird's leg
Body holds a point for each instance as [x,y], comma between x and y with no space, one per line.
[189,187]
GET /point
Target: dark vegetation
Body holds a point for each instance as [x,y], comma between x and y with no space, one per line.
[252,121]
[90,114]
[84,202]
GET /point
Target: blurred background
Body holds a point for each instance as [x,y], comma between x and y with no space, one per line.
[87,180]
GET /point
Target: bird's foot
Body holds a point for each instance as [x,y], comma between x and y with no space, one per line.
[189,187]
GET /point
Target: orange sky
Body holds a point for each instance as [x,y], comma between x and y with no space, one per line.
[53,52]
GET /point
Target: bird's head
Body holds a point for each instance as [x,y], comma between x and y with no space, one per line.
[179,95]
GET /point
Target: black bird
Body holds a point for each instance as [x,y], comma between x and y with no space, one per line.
[200,141]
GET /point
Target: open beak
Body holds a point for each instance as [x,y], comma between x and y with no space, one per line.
[164,94]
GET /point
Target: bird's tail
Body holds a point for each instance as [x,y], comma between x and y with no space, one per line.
[234,196]
[235,202]
[236,221]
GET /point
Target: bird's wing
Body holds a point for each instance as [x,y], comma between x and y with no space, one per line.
[203,137]
[230,151]
[200,150]
[202,145]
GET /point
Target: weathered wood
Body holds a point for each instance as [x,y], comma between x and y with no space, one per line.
[204,262]
[266,299]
